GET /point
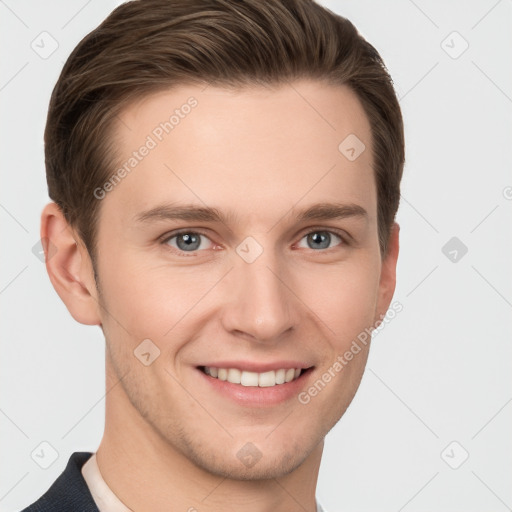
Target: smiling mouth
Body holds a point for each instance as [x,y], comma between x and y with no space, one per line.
[254,379]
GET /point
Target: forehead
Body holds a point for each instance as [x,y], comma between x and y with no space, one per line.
[237,149]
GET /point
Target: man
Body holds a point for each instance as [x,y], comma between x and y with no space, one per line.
[224,178]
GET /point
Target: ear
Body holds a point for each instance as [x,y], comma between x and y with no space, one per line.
[69,266]
[388,273]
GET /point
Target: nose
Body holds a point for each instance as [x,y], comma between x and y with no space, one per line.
[260,305]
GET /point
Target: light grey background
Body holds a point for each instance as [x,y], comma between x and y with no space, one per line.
[438,373]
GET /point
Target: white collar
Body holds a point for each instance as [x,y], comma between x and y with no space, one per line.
[103,496]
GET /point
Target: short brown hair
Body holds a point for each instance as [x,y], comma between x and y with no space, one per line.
[147,45]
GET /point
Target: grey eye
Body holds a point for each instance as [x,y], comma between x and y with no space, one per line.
[320,239]
[187,242]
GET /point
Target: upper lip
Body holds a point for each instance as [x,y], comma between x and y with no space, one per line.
[253,366]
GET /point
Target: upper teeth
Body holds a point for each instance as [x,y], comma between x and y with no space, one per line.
[264,379]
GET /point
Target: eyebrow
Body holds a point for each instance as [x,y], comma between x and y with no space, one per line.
[319,212]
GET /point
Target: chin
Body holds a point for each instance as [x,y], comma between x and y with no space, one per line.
[258,461]
[269,466]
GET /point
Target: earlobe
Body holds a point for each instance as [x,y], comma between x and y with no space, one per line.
[387,282]
[69,266]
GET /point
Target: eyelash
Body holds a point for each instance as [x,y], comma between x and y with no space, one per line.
[169,236]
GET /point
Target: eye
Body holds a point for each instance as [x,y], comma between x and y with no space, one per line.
[188,241]
[320,239]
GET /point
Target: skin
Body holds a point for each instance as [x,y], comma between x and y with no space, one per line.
[264,154]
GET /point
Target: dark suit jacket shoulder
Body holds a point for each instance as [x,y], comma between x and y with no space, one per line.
[69,492]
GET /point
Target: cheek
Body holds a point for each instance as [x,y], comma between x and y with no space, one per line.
[344,297]
[144,300]
[150,301]
[346,307]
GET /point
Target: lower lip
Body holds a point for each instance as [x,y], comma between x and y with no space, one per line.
[255,396]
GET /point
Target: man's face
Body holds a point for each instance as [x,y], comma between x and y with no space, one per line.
[260,290]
